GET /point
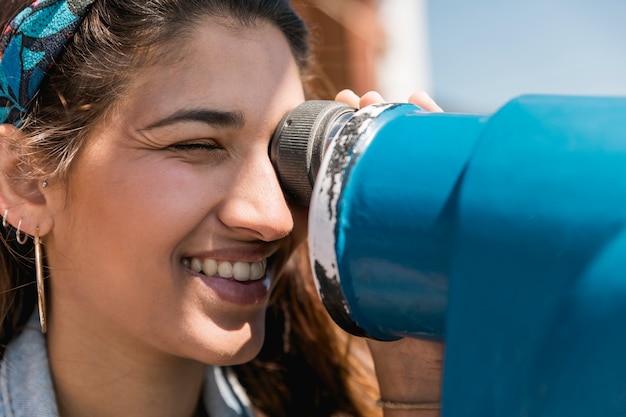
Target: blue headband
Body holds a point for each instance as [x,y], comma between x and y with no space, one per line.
[29,47]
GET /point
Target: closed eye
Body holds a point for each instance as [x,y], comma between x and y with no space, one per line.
[195,146]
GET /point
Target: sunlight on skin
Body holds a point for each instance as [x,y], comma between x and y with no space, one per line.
[420,98]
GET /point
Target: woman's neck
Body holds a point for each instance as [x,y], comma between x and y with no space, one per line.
[93,376]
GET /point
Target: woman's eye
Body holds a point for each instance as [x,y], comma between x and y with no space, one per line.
[202,151]
[195,146]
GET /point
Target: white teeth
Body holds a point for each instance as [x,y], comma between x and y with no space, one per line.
[225,269]
[195,265]
[257,269]
[240,271]
[209,266]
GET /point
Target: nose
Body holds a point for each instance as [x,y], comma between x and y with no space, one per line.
[255,203]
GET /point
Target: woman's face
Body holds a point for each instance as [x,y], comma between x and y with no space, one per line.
[173,212]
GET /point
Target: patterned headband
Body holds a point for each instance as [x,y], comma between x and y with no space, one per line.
[29,47]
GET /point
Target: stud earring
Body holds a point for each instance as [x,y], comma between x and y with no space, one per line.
[44,184]
[21,238]
[41,291]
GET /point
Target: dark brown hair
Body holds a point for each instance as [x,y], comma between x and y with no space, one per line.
[307,366]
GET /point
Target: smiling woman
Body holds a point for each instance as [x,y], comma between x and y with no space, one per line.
[134,150]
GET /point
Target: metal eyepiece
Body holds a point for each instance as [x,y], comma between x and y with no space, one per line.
[299,142]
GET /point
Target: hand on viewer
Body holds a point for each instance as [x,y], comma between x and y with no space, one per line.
[419,98]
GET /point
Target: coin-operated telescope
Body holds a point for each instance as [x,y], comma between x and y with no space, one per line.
[502,235]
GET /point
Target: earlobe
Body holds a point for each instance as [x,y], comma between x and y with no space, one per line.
[22,201]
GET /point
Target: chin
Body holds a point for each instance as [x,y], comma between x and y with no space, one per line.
[226,347]
[245,355]
[235,354]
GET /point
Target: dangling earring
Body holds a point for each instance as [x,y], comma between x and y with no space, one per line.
[5,223]
[41,291]
[20,237]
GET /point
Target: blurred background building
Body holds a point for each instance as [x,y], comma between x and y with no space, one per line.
[471,56]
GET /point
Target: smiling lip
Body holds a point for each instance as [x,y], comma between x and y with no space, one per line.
[237,282]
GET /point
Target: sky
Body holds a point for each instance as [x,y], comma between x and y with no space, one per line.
[484,53]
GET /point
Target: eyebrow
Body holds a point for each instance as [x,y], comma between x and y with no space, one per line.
[217,118]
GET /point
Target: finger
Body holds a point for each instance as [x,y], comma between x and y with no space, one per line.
[370,97]
[349,97]
[423,100]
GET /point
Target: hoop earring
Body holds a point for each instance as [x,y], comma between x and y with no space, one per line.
[20,240]
[41,291]
[5,224]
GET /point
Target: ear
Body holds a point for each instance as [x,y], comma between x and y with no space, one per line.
[22,199]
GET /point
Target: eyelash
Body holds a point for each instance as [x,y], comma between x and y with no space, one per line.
[195,146]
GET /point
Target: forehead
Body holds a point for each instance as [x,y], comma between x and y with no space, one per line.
[221,63]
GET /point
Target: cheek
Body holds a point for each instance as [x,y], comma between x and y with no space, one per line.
[141,199]
[124,220]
